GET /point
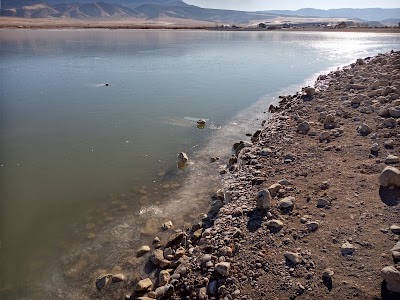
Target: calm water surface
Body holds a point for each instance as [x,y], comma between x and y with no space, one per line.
[88,171]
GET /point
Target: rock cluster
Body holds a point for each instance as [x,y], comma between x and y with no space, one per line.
[305,196]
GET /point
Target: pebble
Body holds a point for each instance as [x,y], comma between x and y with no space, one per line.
[293,257]
[374,147]
[118,278]
[274,189]
[392,159]
[144,285]
[328,273]
[322,202]
[347,249]
[364,129]
[389,144]
[312,226]
[167,225]
[395,228]
[287,202]
[223,268]
[276,224]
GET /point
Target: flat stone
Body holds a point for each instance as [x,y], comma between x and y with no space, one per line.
[323,202]
[389,144]
[276,224]
[158,259]
[347,249]
[118,278]
[287,202]
[392,159]
[144,285]
[175,239]
[293,257]
[392,277]
[142,250]
[312,226]
[395,228]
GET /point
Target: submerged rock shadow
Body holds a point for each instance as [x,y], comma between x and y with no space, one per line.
[389,197]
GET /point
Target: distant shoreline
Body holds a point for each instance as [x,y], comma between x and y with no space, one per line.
[49,23]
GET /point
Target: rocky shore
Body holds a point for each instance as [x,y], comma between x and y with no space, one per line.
[309,207]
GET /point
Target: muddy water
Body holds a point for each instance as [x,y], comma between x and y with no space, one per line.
[92,121]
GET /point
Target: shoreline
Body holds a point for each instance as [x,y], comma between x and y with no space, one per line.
[300,212]
[132,24]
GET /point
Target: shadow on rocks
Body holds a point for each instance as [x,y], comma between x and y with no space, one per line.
[386,295]
[389,197]
[327,281]
[255,219]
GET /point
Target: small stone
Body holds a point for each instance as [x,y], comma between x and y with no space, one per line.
[364,129]
[165,291]
[144,285]
[324,136]
[164,277]
[158,259]
[327,273]
[202,293]
[142,250]
[395,228]
[274,189]
[392,159]
[293,257]
[102,280]
[118,278]
[389,144]
[167,225]
[392,277]
[374,147]
[287,202]
[264,200]
[396,251]
[390,176]
[394,111]
[303,128]
[312,226]
[183,157]
[175,239]
[225,251]
[266,152]
[322,203]
[223,268]
[347,249]
[275,224]
[360,61]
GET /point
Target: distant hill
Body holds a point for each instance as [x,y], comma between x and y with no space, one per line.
[367,14]
[151,9]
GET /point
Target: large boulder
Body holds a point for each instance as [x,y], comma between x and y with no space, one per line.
[392,277]
[390,176]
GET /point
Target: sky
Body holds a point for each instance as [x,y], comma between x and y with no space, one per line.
[253,5]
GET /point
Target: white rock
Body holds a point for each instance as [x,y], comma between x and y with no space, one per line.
[167,225]
[392,277]
[328,273]
[390,176]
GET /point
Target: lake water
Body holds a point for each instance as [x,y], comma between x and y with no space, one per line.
[88,171]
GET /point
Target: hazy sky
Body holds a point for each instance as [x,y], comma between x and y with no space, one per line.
[253,5]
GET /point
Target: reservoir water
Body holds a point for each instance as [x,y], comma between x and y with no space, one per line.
[91,122]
